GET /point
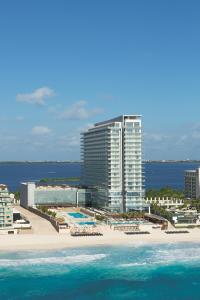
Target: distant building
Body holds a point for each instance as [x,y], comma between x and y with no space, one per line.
[166,202]
[32,194]
[192,184]
[112,163]
[6,209]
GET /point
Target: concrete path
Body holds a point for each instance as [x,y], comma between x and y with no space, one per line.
[39,225]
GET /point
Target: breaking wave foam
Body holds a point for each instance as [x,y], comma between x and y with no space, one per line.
[67,260]
[166,256]
[176,255]
[133,264]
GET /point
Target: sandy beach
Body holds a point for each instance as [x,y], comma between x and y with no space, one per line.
[43,236]
[60,241]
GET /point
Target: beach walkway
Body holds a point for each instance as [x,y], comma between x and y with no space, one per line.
[39,225]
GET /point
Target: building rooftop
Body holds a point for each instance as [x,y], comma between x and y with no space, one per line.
[119,119]
[3,186]
[55,187]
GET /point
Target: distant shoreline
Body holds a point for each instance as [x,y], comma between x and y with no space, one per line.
[171,161]
[78,162]
[40,162]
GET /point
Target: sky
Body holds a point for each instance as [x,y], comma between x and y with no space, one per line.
[65,65]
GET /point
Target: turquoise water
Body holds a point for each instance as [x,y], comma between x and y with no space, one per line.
[102,273]
[87,223]
[77,215]
[130,222]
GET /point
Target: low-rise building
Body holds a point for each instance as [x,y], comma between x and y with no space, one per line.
[6,210]
[185,219]
[192,184]
[166,202]
[32,194]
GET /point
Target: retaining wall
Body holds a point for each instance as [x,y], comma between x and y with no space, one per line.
[45,216]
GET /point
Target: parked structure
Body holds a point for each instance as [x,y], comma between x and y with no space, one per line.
[192,184]
[62,195]
[6,211]
[112,163]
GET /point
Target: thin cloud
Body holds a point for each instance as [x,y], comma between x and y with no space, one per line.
[157,137]
[85,127]
[79,111]
[38,96]
[19,118]
[40,130]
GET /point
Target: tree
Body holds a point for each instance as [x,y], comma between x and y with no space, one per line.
[164,192]
[160,211]
[17,195]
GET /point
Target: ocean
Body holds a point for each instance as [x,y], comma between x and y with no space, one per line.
[157,175]
[153,272]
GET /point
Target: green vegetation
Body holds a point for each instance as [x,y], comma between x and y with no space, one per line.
[17,195]
[46,211]
[46,180]
[192,204]
[160,211]
[131,215]
[100,218]
[164,192]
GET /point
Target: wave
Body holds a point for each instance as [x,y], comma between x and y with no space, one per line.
[67,260]
[167,256]
[177,255]
[136,264]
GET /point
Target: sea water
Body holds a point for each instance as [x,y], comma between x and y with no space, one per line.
[157,175]
[152,272]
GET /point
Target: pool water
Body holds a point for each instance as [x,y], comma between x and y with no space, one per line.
[77,215]
[131,222]
[87,223]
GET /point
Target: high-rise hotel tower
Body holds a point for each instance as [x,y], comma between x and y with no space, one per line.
[112,163]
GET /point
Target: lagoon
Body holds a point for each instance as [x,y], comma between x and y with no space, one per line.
[157,175]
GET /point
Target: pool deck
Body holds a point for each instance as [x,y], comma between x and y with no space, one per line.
[75,218]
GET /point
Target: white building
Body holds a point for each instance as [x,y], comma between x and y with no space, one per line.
[192,184]
[32,194]
[6,211]
[112,163]
[166,202]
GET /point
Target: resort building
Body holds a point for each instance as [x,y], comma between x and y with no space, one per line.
[192,184]
[166,202]
[32,194]
[112,163]
[6,210]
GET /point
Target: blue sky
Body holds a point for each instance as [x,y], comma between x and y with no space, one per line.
[67,64]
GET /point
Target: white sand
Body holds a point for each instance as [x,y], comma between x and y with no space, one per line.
[44,236]
[59,241]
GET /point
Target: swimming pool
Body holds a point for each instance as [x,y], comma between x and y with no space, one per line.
[87,223]
[130,222]
[77,215]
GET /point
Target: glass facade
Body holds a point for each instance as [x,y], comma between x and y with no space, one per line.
[192,184]
[73,197]
[32,194]
[112,163]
